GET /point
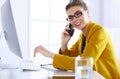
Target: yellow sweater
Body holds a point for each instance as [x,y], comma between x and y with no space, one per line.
[99,46]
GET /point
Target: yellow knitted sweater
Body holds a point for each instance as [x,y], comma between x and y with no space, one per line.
[98,46]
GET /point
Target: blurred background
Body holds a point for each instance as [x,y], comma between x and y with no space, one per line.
[48,19]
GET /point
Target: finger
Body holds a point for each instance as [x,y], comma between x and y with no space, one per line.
[67,27]
[34,54]
[65,33]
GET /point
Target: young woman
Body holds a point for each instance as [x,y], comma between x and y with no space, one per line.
[93,42]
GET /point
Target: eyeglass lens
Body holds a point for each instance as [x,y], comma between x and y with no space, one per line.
[76,15]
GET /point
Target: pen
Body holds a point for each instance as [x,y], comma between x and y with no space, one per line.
[45,64]
[9,68]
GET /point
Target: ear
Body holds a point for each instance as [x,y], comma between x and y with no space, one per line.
[88,13]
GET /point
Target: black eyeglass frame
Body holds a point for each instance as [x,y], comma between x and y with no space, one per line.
[77,14]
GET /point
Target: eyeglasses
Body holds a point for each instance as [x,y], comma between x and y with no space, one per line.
[76,15]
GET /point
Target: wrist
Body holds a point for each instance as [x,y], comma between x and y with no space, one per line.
[51,55]
[63,48]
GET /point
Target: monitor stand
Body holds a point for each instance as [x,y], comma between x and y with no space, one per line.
[5,66]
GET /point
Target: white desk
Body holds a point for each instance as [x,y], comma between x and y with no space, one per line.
[19,74]
[42,74]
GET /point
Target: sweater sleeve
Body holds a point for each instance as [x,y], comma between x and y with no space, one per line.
[64,62]
[74,50]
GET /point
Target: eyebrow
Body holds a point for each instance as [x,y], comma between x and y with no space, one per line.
[74,12]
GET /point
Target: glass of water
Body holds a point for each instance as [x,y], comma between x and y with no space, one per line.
[83,67]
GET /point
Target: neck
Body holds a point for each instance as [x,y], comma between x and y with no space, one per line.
[84,30]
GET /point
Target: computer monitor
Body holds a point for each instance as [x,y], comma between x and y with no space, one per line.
[9,29]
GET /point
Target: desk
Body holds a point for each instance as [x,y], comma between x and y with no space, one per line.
[44,73]
[19,74]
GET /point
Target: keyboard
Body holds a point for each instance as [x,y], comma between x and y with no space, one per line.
[29,65]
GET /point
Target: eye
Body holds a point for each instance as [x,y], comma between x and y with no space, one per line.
[70,17]
[78,13]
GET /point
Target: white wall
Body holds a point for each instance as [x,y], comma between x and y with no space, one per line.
[20,9]
[95,9]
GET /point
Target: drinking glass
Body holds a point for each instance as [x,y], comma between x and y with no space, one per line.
[83,67]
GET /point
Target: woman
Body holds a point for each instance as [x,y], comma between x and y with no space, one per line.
[93,42]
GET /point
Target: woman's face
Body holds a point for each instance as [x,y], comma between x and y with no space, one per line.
[78,17]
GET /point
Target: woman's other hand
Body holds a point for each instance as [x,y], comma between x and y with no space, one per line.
[43,51]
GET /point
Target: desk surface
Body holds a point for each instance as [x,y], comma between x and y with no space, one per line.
[44,73]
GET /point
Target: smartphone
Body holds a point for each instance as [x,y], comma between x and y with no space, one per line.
[71,31]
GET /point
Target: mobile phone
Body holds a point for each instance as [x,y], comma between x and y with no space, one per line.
[71,31]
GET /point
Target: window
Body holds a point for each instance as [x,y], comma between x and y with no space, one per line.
[47,21]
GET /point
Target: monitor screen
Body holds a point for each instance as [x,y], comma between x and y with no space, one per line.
[9,29]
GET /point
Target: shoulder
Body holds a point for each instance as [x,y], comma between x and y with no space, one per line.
[96,30]
[96,27]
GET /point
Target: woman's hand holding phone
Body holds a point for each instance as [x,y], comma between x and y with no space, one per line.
[66,36]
